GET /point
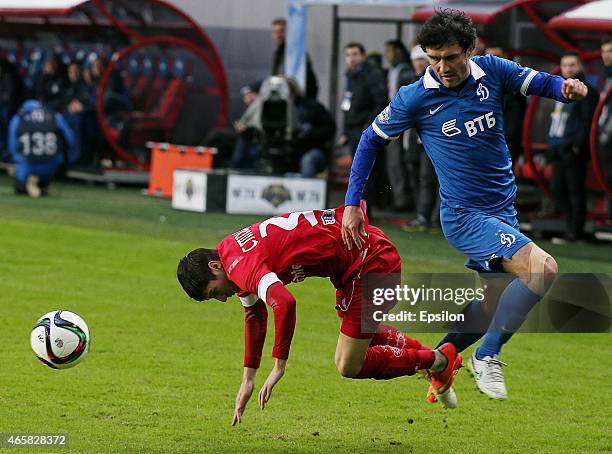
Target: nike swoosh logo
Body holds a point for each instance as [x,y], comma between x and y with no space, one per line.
[433,111]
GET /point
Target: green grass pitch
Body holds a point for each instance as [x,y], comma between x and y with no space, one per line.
[163,372]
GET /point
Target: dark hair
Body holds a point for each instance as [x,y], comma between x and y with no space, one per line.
[193,272]
[606,40]
[571,54]
[357,45]
[446,28]
[397,44]
[280,21]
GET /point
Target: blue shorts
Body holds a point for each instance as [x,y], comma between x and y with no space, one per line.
[485,238]
[43,170]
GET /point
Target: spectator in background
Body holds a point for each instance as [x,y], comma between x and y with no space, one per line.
[279,27]
[37,138]
[375,60]
[365,94]
[515,105]
[314,134]
[568,138]
[51,84]
[604,124]
[11,92]
[424,178]
[78,94]
[115,103]
[479,47]
[78,101]
[400,69]
[400,73]
[247,130]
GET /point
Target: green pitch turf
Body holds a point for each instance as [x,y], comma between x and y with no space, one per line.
[163,371]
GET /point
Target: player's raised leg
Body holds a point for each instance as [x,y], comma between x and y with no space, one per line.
[356,358]
[535,271]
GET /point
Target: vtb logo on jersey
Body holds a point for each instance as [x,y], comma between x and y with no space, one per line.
[472,127]
[450,129]
[482,92]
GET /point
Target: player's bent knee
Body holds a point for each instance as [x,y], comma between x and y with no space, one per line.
[542,270]
[550,266]
[347,369]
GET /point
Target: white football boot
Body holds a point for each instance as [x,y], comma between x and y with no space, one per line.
[489,375]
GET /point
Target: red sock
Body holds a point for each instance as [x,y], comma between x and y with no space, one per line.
[388,335]
[383,362]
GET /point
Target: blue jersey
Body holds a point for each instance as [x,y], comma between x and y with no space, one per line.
[461,129]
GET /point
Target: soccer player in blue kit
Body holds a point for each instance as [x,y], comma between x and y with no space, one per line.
[456,108]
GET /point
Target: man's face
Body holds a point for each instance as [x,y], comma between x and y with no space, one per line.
[97,68]
[49,68]
[221,288]
[74,72]
[353,57]
[451,64]
[420,65]
[390,54]
[249,97]
[570,66]
[606,54]
[278,33]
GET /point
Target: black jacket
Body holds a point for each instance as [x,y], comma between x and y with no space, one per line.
[574,124]
[368,96]
[50,89]
[81,91]
[316,127]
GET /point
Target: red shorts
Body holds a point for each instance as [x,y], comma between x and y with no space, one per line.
[383,258]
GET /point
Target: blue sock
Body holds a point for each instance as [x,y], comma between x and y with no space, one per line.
[463,334]
[514,304]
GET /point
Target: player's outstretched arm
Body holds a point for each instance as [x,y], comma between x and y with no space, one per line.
[352,219]
[244,393]
[255,327]
[528,81]
[282,303]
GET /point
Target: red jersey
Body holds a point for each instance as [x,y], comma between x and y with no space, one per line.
[289,248]
[285,249]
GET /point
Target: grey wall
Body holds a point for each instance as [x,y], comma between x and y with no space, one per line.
[241,32]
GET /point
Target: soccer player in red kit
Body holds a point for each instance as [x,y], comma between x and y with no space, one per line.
[258,261]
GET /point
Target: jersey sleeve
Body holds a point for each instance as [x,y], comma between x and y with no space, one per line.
[283,305]
[527,81]
[255,328]
[397,116]
[248,270]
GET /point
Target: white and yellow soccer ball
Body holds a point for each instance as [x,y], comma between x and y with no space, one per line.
[60,339]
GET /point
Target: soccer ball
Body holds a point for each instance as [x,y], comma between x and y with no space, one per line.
[60,339]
